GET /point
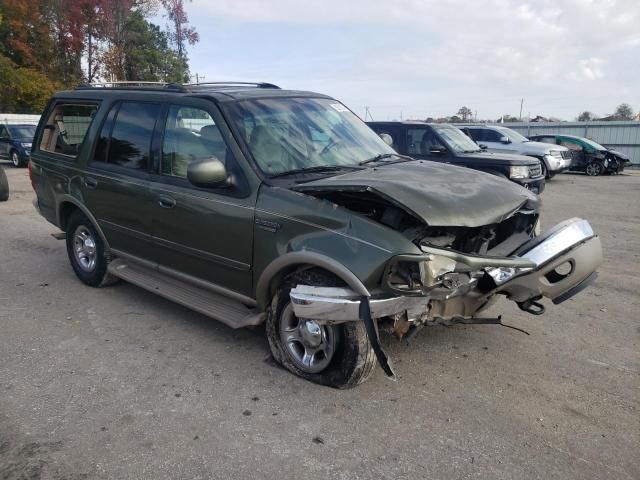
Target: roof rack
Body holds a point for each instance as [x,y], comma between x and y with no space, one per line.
[141,85]
[232,84]
[131,84]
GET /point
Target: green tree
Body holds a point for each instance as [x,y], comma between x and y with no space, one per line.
[586,116]
[624,111]
[465,113]
[147,55]
[23,90]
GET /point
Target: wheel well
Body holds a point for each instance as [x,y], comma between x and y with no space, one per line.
[66,210]
[303,269]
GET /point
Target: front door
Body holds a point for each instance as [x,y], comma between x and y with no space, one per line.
[423,143]
[115,185]
[206,233]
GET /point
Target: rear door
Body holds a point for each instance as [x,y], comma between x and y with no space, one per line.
[206,233]
[115,185]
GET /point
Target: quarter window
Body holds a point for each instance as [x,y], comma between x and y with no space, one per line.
[66,128]
[190,135]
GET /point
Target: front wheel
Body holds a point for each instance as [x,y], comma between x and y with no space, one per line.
[593,169]
[338,356]
[15,159]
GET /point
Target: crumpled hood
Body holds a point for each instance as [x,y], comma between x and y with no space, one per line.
[439,194]
[536,148]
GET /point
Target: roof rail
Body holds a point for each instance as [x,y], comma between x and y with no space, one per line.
[131,84]
[231,84]
[143,85]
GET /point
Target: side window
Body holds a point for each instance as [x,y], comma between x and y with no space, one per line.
[570,144]
[421,140]
[492,135]
[66,128]
[190,134]
[476,134]
[130,141]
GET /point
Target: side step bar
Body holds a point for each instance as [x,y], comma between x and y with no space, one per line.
[229,311]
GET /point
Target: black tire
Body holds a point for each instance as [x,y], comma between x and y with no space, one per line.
[97,275]
[353,360]
[15,159]
[593,169]
[4,186]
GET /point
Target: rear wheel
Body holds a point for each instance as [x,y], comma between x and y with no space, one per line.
[593,169]
[86,251]
[338,356]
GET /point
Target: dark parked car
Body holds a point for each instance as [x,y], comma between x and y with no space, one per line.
[588,156]
[15,143]
[446,143]
[252,204]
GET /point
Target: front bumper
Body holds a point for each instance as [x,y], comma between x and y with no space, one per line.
[536,185]
[558,164]
[555,265]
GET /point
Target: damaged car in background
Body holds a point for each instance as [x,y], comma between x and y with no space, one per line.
[284,207]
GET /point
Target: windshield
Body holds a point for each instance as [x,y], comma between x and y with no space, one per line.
[26,131]
[592,144]
[285,134]
[456,139]
[513,135]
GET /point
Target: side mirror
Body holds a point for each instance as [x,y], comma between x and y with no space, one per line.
[437,149]
[386,138]
[504,139]
[207,173]
[482,146]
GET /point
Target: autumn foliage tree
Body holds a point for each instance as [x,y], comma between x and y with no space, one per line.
[61,43]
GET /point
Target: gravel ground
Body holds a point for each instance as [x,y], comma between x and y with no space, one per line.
[119,383]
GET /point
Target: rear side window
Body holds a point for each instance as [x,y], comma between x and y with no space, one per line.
[66,128]
[125,139]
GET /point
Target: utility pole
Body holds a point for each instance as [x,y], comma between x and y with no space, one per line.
[521,104]
[367,114]
[198,78]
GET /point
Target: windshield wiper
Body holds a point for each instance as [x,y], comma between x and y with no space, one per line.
[318,169]
[382,156]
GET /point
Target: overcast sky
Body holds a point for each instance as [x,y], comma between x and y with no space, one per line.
[424,58]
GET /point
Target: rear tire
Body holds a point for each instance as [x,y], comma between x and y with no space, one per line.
[87,252]
[4,186]
[351,359]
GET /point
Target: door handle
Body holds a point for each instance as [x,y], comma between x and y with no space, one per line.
[166,202]
[90,182]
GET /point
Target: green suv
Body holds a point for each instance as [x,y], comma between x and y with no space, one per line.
[252,204]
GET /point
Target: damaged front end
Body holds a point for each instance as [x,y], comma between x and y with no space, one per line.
[444,286]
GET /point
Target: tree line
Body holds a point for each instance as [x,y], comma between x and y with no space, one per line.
[48,45]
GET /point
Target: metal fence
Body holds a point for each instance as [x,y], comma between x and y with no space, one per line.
[621,136]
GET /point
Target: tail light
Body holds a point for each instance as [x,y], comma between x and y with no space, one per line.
[30,168]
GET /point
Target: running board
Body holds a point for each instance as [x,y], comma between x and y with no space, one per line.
[229,311]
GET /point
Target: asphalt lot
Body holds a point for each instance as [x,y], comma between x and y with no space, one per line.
[119,383]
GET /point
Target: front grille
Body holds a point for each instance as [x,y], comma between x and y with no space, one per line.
[535,171]
[566,154]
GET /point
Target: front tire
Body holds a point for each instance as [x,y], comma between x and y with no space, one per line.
[87,252]
[338,356]
[593,169]
[15,159]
